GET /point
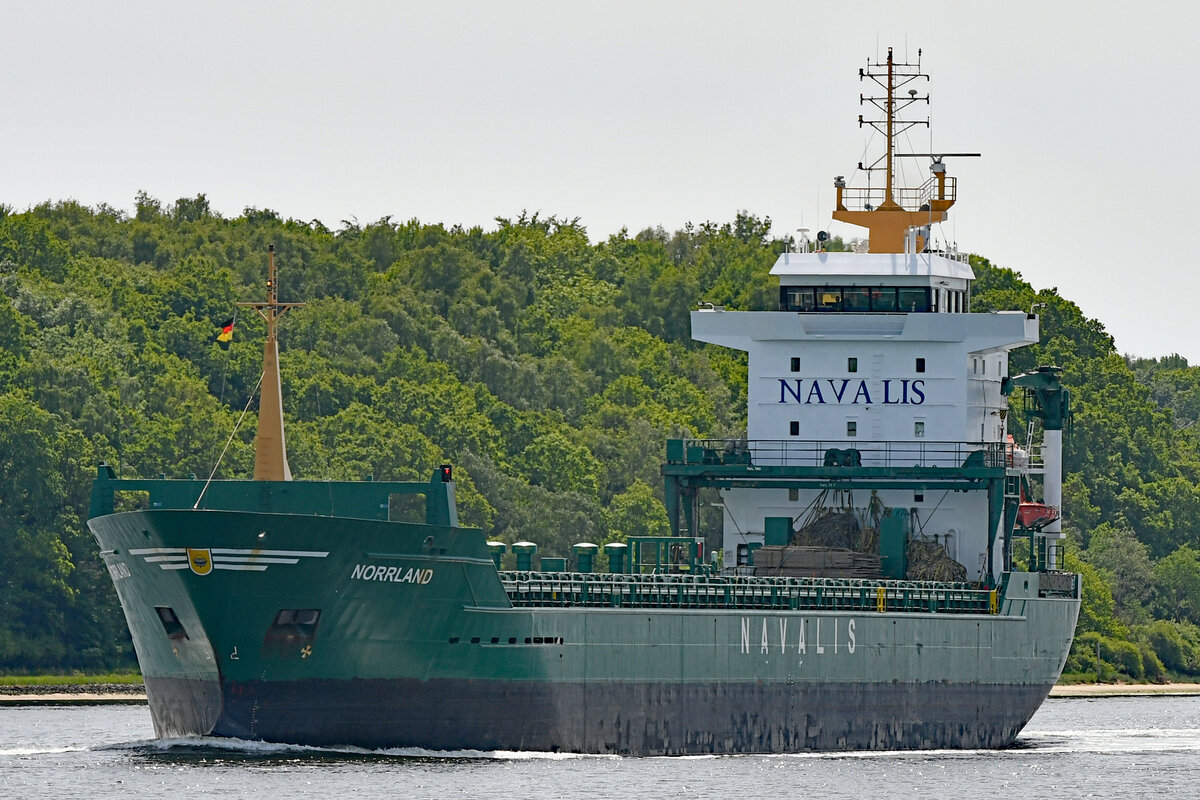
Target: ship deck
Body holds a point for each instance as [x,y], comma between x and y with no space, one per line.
[732,592]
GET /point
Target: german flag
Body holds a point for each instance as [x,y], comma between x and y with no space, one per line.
[226,334]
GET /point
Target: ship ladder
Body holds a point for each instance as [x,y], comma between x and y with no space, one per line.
[881,599]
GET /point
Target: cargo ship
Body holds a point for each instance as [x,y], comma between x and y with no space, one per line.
[889,576]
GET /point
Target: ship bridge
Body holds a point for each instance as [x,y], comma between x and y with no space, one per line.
[873,283]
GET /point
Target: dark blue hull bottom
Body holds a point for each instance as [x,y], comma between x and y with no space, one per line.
[625,719]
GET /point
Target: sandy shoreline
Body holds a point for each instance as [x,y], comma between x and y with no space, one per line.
[1122,689]
[72,694]
[72,699]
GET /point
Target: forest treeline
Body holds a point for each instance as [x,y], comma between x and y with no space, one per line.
[549,370]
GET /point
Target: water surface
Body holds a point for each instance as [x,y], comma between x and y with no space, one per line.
[1101,747]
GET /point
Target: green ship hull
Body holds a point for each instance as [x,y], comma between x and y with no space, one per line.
[339,630]
[300,612]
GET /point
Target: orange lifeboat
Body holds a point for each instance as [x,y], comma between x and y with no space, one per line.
[1035,516]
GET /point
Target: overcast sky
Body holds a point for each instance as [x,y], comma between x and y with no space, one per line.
[632,115]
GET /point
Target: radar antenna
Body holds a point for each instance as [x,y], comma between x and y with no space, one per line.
[890,213]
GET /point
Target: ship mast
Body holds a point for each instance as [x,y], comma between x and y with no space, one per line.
[890,214]
[890,203]
[270,449]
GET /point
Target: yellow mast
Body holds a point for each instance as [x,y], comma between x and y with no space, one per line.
[890,216]
[270,449]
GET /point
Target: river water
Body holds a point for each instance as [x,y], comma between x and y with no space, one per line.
[1102,747]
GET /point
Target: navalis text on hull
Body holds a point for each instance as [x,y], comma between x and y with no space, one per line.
[888,576]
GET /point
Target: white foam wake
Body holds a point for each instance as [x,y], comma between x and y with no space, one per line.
[1112,740]
[1028,743]
[40,751]
[250,747]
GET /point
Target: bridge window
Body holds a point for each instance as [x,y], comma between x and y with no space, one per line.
[829,299]
[856,299]
[913,300]
[883,299]
[852,364]
[795,363]
[867,299]
[794,427]
[798,298]
[920,365]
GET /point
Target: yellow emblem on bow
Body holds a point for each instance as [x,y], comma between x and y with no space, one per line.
[199,560]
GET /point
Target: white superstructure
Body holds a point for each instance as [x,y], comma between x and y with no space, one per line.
[874,361]
[904,388]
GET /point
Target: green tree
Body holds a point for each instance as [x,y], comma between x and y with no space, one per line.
[559,464]
[27,242]
[1175,644]
[1125,563]
[1097,612]
[1177,585]
[39,479]
[636,512]
[191,209]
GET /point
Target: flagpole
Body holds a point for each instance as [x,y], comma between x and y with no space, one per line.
[228,356]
